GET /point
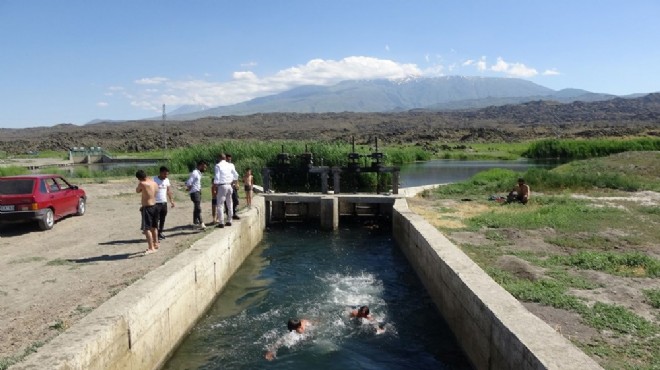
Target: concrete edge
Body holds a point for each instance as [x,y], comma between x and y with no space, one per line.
[414,190]
[140,326]
[494,329]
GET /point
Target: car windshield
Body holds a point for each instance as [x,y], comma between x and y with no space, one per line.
[16,186]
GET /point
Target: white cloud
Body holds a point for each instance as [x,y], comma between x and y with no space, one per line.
[249,64]
[435,71]
[151,81]
[247,75]
[481,64]
[115,88]
[551,72]
[387,48]
[102,104]
[513,69]
[468,62]
[246,85]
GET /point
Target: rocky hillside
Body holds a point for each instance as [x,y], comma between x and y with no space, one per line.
[618,117]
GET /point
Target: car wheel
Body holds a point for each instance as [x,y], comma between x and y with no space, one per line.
[47,222]
[81,207]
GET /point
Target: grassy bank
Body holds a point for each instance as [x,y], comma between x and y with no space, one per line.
[575,254]
[582,149]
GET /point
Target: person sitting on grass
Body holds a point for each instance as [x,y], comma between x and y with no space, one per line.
[520,193]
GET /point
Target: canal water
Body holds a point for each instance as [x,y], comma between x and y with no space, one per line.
[443,171]
[299,272]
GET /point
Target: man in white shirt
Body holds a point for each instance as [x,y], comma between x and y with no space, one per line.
[225,173]
[194,186]
[163,194]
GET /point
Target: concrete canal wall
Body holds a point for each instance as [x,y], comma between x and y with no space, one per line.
[492,327]
[139,327]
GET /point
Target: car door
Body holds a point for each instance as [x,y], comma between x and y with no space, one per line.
[56,197]
[70,196]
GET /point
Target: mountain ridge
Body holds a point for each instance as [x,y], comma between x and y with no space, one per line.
[382,95]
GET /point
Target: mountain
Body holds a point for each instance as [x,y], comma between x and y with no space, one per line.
[362,96]
[190,108]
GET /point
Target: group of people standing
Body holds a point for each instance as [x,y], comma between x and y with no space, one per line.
[157,194]
[224,191]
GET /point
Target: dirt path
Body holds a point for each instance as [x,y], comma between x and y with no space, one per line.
[52,279]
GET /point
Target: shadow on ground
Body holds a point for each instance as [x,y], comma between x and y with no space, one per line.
[107,257]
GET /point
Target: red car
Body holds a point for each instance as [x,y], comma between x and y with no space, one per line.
[41,198]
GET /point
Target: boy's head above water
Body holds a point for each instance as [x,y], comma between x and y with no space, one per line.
[363,311]
[295,325]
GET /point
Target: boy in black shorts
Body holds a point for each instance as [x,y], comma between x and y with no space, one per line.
[149,210]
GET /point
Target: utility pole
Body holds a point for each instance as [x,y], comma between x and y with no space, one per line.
[164,133]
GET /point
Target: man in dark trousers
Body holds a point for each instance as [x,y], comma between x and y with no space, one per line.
[234,194]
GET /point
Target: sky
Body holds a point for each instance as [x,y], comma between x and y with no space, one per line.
[73,61]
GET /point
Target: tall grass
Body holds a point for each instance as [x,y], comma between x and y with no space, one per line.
[83,172]
[582,149]
[257,155]
[13,171]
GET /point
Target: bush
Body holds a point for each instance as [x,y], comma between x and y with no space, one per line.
[582,149]
[13,171]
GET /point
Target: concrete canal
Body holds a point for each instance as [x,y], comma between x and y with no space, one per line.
[306,273]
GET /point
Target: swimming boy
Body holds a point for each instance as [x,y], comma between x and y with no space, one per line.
[363,313]
[294,325]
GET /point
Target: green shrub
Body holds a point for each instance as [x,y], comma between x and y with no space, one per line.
[13,171]
[624,264]
[619,319]
[581,149]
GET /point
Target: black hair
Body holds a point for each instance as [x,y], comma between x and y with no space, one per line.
[363,311]
[202,162]
[293,324]
[520,179]
[140,175]
[164,169]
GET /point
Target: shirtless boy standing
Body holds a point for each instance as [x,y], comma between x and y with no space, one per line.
[149,210]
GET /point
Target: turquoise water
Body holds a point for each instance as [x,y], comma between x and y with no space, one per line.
[307,273]
[443,171]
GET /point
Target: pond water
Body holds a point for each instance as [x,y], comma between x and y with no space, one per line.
[320,276]
[443,171]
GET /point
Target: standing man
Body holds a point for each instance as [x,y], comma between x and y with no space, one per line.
[162,196]
[148,210]
[234,194]
[225,173]
[194,186]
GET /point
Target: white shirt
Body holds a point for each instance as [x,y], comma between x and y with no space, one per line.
[195,181]
[161,194]
[225,173]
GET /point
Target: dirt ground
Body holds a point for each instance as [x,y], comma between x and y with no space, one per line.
[52,279]
[449,214]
